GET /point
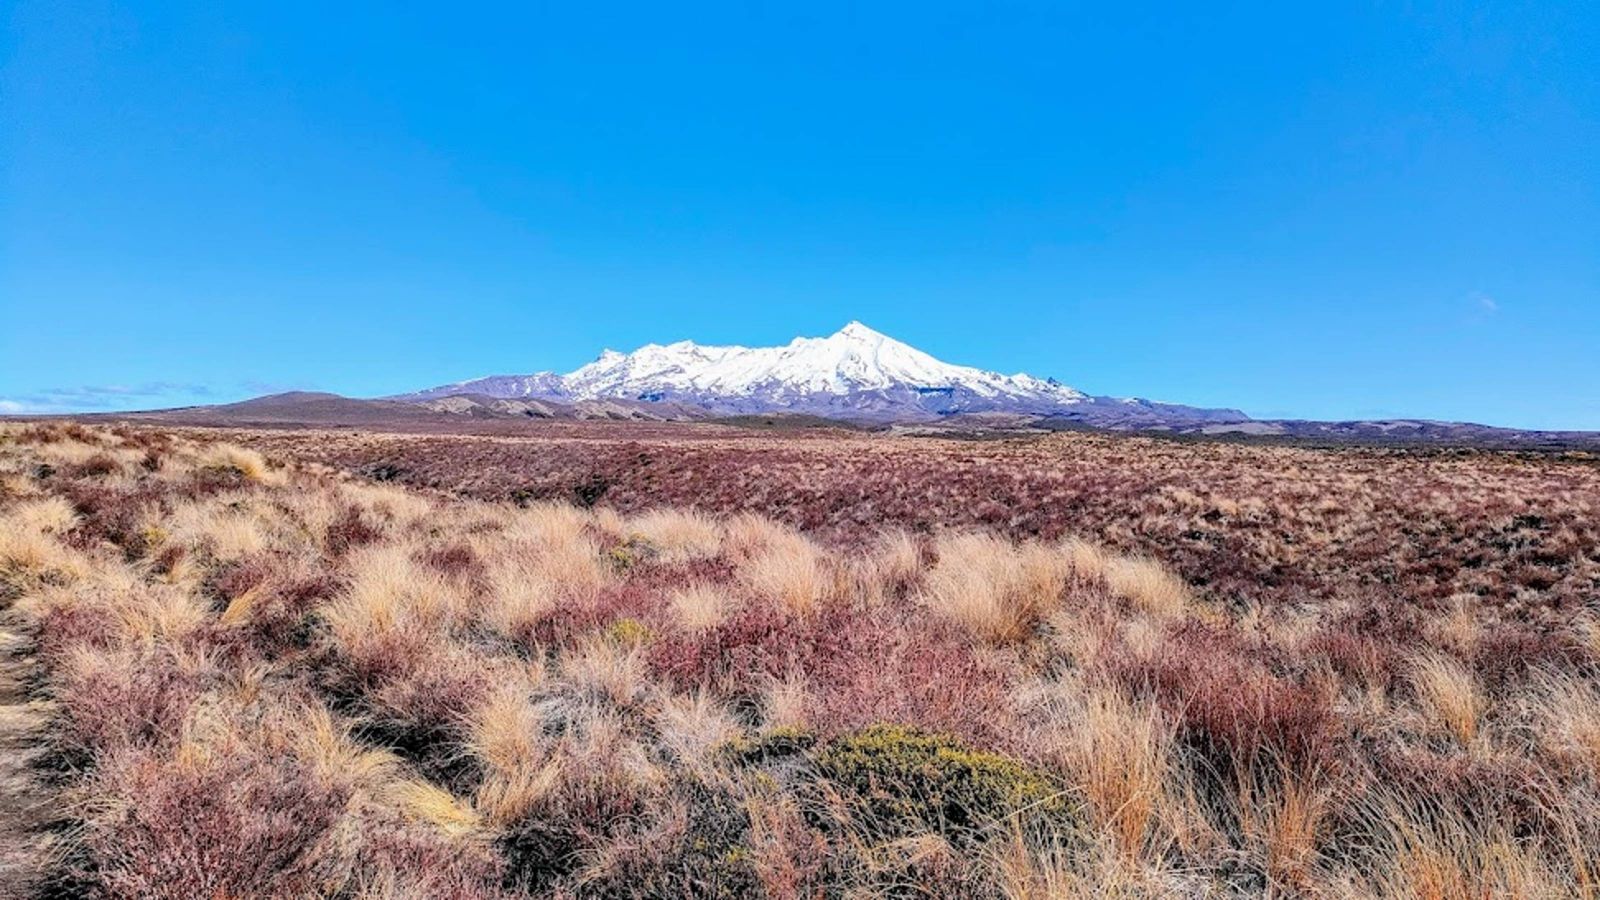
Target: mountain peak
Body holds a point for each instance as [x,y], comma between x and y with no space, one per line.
[853,366]
[858,331]
[856,372]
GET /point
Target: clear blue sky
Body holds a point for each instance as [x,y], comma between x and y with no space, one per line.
[1330,210]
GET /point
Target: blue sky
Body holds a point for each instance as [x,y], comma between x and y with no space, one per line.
[1340,210]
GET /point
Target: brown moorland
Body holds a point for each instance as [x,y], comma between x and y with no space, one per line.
[709,663]
[1410,531]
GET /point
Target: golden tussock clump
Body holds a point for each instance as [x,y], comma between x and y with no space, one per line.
[246,462]
[998,590]
[1448,694]
[1148,585]
[701,605]
[389,591]
[778,563]
[1568,710]
[50,515]
[677,535]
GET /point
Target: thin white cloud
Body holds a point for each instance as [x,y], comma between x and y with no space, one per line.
[117,397]
[1478,308]
[86,398]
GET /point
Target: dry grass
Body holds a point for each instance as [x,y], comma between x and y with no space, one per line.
[1148,585]
[700,606]
[1284,820]
[679,536]
[998,590]
[1437,853]
[246,462]
[1119,758]
[433,806]
[1568,711]
[389,597]
[267,678]
[505,731]
[50,515]
[1449,695]
[221,530]
[780,564]
[693,727]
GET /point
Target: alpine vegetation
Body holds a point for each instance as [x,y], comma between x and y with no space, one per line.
[260,676]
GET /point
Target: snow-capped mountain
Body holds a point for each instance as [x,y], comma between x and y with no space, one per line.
[538,386]
[855,373]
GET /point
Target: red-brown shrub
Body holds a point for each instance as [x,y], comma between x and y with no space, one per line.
[459,562]
[1504,655]
[1229,705]
[350,531]
[1362,659]
[96,466]
[233,579]
[281,619]
[413,694]
[419,862]
[108,514]
[65,627]
[548,844]
[883,664]
[111,700]
[231,824]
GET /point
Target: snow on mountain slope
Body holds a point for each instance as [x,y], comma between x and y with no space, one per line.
[854,359]
[539,385]
[854,373]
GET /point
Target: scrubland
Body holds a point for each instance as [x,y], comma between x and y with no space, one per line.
[1078,667]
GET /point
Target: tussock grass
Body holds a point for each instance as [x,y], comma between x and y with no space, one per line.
[700,606]
[33,555]
[997,590]
[694,726]
[785,702]
[679,536]
[781,565]
[389,594]
[1568,711]
[269,678]
[48,515]
[606,671]
[432,805]
[1119,757]
[1449,695]
[220,529]
[246,462]
[1148,585]
[1438,851]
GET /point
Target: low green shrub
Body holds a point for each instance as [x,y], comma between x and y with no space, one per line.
[772,744]
[628,632]
[902,781]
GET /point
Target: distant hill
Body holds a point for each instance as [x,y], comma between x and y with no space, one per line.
[307,408]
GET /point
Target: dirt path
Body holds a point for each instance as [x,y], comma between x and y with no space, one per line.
[24,799]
